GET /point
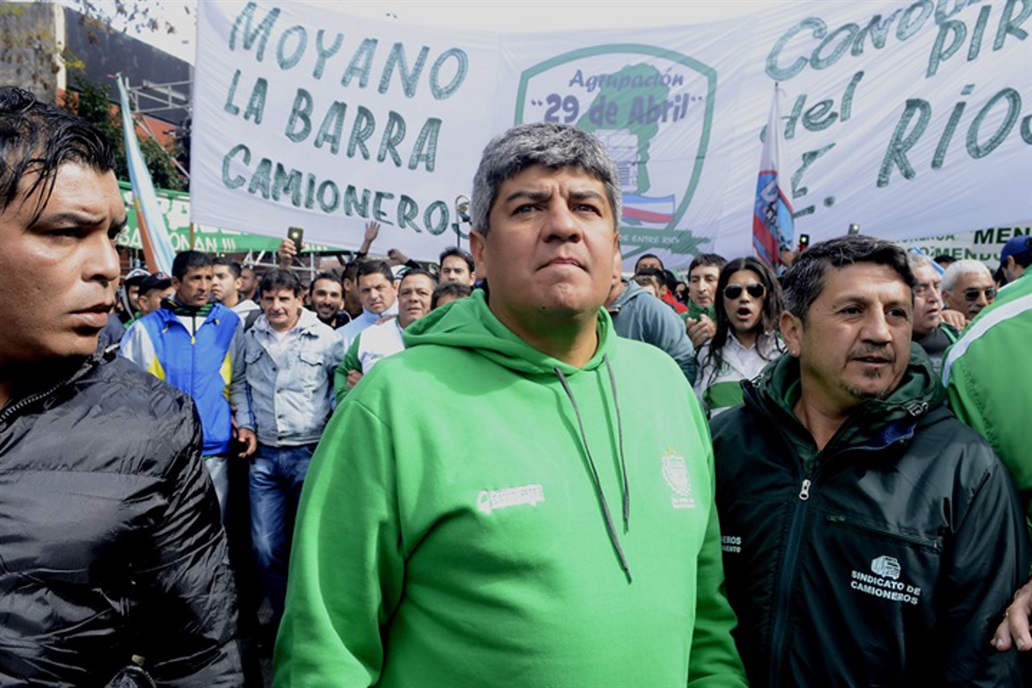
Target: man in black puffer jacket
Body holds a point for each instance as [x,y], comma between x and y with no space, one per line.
[869,537]
[111,552]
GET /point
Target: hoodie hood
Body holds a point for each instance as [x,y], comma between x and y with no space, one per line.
[470,324]
[630,291]
[874,423]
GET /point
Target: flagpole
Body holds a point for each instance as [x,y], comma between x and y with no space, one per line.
[154,235]
[773,225]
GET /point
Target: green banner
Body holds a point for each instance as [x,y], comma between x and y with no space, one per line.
[175,206]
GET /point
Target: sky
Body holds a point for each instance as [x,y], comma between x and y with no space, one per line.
[492,15]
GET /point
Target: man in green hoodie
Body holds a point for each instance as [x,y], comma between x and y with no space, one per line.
[870,538]
[548,541]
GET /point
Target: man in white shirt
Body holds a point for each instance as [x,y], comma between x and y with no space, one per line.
[415,292]
[378,293]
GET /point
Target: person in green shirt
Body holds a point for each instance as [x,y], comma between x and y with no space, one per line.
[560,534]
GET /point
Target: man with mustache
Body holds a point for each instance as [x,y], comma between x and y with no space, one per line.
[968,287]
[870,538]
[326,299]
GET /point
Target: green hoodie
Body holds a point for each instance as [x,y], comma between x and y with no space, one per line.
[459,527]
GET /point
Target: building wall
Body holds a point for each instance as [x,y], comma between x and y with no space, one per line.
[32,36]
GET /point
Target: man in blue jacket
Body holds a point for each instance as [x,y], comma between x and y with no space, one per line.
[197,346]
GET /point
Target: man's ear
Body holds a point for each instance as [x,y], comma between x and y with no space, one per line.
[792,332]
[477,243]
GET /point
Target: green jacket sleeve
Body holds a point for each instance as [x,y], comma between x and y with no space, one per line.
[349,363]
[713,661]
[346,566]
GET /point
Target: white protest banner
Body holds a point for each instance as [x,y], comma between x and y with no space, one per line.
[307,117]
[909,118]
[983,245]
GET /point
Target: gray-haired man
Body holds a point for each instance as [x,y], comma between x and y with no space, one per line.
[552,542]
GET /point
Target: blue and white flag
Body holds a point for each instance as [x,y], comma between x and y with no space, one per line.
[154,234]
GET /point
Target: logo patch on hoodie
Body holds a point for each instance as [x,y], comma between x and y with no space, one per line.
[489,500]
[675,473]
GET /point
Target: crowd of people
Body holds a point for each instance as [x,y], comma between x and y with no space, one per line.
[517,466]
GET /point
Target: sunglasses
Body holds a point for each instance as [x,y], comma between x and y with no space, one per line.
[755,290]
[972,294]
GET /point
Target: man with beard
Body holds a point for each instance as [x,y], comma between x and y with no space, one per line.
[326,298]
[870,538]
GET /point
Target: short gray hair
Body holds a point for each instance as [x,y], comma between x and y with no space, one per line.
[554,146]
[919,260]
[962,267]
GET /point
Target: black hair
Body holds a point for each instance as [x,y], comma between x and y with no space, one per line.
[332,276]
[234,267]
[372,267]
[456,251]
[770,313]
[643,257]
[415,272]
[670,280]
[350,271]
[276,279]
[804,281]
[187,260]
[455,289]
[36,139]
[709,260]
[655,275]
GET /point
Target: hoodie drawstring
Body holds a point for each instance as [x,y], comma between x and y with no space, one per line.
[610,527]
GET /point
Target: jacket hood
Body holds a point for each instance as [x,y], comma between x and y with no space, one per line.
[470,324]
[630,291]
[875,422]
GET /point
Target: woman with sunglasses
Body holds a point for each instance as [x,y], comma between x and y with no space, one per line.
[748,306]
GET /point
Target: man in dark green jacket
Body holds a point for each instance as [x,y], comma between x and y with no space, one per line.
[869,537]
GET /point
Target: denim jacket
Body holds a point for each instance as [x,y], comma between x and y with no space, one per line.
[291,405]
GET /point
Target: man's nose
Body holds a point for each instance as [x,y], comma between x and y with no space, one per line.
[876,328]
[561,223]
[101,260]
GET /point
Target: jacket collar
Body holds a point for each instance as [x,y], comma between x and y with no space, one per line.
[874,424]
